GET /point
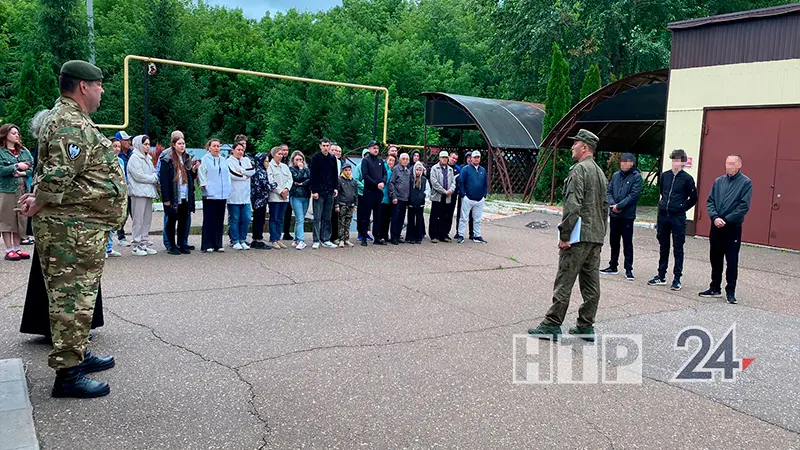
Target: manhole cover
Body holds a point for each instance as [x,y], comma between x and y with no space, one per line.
[538,224]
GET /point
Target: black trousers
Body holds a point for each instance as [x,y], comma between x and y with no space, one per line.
[180,219]
[398,218]
[259,221]
[621,228]
[370,206]
[674,226]
[287,222]
[725,244]
[441,220]
[213,223]
[386,220]
[416,223]
[359,212]
[458,218]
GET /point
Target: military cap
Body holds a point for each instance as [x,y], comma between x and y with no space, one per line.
[82,70]
[587,137]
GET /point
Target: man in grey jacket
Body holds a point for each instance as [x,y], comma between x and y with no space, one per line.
[443,185]
[728,203]
[623,193]
[399,190]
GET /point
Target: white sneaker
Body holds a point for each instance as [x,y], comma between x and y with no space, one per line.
[341,244]
[237,246]
[139,252]
[123,243]
[221,250]
[210,250]
[329,244]
[315,246]
[151,251]
[294,243]
[301,245]
[113,253]
[244,246]
[348,243]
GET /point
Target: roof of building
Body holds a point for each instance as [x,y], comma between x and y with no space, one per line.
[732,17]
[505,123]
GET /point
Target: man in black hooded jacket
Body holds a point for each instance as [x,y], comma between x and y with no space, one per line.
[375,178]
[623,193]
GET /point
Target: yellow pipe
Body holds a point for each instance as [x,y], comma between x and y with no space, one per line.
[126,109]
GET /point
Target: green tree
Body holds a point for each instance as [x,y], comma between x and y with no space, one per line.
[592,81]
[65,29]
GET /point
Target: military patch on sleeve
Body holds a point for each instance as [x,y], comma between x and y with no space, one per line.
[74,151]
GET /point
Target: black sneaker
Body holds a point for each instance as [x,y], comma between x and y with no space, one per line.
[609,271]
[174,251]
[629,275]
[710,293]
[676,285]
[731,299]
[287,237]
[363,242]
[460,240]
[479,240]
[657,281]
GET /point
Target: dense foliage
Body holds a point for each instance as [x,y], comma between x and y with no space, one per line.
[473,47]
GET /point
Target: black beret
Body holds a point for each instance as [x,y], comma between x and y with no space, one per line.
[82,70]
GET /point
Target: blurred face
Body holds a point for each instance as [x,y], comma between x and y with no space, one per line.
[325,147]
[453,159]
[179,146]
[347,171]
[468,159]
[337,151]
[733,165]
[404,160]
[92,92]
[677,164]
[579,149]
[278,156]
[626,165]
[238,151]
[393,151]
[374,150]
[116,146]
[126,145]
[214,148]
[146,146]
[416,157]
[298,161]
[476,161]
[13,137]
[285,149]
[443,160]
[418,171]
[391,161]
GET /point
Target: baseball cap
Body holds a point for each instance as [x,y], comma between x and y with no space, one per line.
[586,136]
[123,136]
[371,143]
[444,154]
[476,154]
[628,157]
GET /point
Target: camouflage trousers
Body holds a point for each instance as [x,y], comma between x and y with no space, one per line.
[581,261]
[345,219]
[72,255]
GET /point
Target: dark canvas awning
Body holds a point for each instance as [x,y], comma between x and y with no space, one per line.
[627,116]
[505,123]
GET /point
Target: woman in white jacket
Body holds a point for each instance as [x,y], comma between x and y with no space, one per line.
[281,176]
[142,189]
[239,211]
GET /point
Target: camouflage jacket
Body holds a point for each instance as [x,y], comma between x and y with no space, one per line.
[77,175]
[585,197]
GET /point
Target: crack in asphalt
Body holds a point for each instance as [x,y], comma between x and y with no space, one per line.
[251,389]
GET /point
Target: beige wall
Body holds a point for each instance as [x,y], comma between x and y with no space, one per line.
[691,90]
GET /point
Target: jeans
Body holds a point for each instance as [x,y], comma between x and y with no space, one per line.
[471,208]
[676,227]
[300,208]
[621,228]
[180,232]
[239,222]
[322,218]
[277,211]
[110,245]
[725,243]
[458,218]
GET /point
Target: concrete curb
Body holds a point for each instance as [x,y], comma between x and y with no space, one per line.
[17,430]
[557,212]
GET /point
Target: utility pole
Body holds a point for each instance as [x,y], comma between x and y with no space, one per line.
[90,15]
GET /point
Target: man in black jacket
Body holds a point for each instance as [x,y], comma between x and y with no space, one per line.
[728,203]
[678,195]
[374,174]
[623,194]
[324,185]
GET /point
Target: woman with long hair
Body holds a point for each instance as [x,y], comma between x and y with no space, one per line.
[142,189]
[280,175]
[177,175]
[16,166]
[299,196]
[260,187]
[239,212]
[215,180]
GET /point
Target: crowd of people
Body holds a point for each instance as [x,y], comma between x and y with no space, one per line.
[268,190]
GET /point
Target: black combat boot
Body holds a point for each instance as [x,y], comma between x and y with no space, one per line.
[73,383]
[92,363]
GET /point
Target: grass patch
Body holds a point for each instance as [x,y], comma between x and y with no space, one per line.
[511,258]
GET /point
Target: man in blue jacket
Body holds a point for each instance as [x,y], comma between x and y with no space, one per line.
[623,194]
[728,203]
[474,184]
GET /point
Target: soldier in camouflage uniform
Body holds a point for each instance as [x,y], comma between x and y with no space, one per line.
[79,195]
[584,199]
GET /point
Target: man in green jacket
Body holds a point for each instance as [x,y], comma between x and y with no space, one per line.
[585,207]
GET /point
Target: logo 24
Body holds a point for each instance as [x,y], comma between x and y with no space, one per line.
[701,366]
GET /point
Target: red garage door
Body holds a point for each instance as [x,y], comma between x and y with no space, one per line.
[767,139]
